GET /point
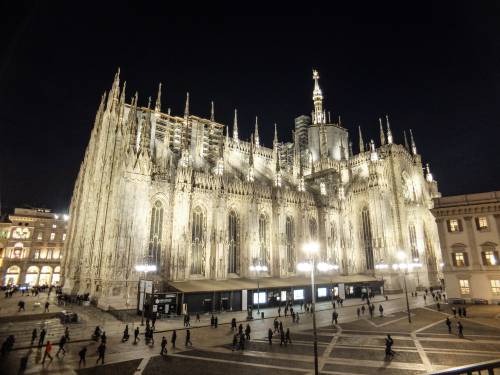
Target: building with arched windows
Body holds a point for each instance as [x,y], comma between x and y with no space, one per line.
[203,205]
[31,247]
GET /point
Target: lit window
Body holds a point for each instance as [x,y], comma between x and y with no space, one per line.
[64,237]
[298,294]
[489,258]
[321,292]
[459,259]
[454,225]
[54,226]
[481,223]
[39,236]
[495,287]
[262,297]
[283,295]
[36,254]
[52,236]
[464,287]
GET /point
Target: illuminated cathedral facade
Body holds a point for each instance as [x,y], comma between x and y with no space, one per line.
[187,194]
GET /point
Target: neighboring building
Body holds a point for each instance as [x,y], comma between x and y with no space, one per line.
[469,231]
[204,206]
[31,247]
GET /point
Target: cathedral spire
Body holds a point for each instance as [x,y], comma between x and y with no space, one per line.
[406,140]
[186,108]
[350,150]
[413,144]
[250,175]
[235,126]
[275,140]
[257,140]
[158,99]
[212,112]
[149,102]
[361,142]
[428,175]
[115,91]
[389,132]
[382,135]
[318,115]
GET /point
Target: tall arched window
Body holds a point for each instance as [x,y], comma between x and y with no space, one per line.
[197,242]
[313,229]
[367,238]
[413,243]
[233,265]
[155,232]
[263,240]
[290,244]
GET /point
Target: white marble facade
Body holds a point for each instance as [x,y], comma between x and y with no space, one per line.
[201,203]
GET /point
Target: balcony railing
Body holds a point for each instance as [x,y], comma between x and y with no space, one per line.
[488,367]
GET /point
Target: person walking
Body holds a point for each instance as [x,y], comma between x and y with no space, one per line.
[287,336]
[43,332]
[242,341]
[136,335]
[34,335]
[188,338]
[198,317]
[363,309]
[464,312]
[82,353]
[174,338]
[460,329]
[46,307]
[103,337]
[216,322]
[425,299]
[101,350]
[279,311]
[358,311]
[270,336]
[460,312]
[381,310]
[212,321]
[48,349]
[21,304]
[389,353]
[276,324]
[66,333]
[247,332]
[164,349]
[62,342]
[282,338]
[153,321]
[235,342]
[448,324]
[438,306]
[125,334]
[233,324]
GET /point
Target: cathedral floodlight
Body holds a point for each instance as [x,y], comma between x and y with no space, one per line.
[325,267]
[311,248]
[145,268]
[304,267]
[258,268]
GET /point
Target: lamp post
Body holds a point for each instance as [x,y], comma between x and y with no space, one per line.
[145,267]
[312,249]
[405,267]
[257,268]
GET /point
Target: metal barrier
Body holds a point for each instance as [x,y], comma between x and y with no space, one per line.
[487,367]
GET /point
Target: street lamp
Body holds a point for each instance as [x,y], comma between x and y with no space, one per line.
[405,267]
[257,268]
[312,249]
[145,267]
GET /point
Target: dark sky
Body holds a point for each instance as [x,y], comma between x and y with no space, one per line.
[433,66]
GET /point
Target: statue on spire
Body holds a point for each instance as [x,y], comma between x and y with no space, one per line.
[257,140]
[382,135]
[389,132]
[413,144]
[318,114]
[212,112]
[361,142]
[158,99]
[235,126]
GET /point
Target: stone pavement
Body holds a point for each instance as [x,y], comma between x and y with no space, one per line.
[353,347]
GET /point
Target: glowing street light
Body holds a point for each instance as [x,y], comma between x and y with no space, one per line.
[258,268]
[145,267]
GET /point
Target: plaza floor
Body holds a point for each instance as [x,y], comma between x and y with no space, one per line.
[354,346]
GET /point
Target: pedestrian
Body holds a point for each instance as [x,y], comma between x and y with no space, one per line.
[333,305]
[20,304]
[101,350]
[287,336]
[235,342]
[301,305]
[454,311]
[247,332]
[282,338]
[341,302]
[425,298]
[34,335]
[43,332]
[279,311]
[136,335]
[276,324]
[103,337]
[62,342]
[188,338]
[460,329]
[297,318]
[66,333]
[174,338]
[448,324]
[188,321]
[438,306]
[363,309]
[198,317]
[46,306]
[370,309]
[48,349]
[381,310]
[293,317]
[125,334]
[270,336]
[460,312]
[216,321]
[281,326]
[464,312]
[233,324]
[164,349]
[212,321]
[358,311]
[286,310]
[82,353]
[389,353]
[242,341]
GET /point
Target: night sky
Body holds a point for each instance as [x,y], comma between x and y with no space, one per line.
[433,67]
